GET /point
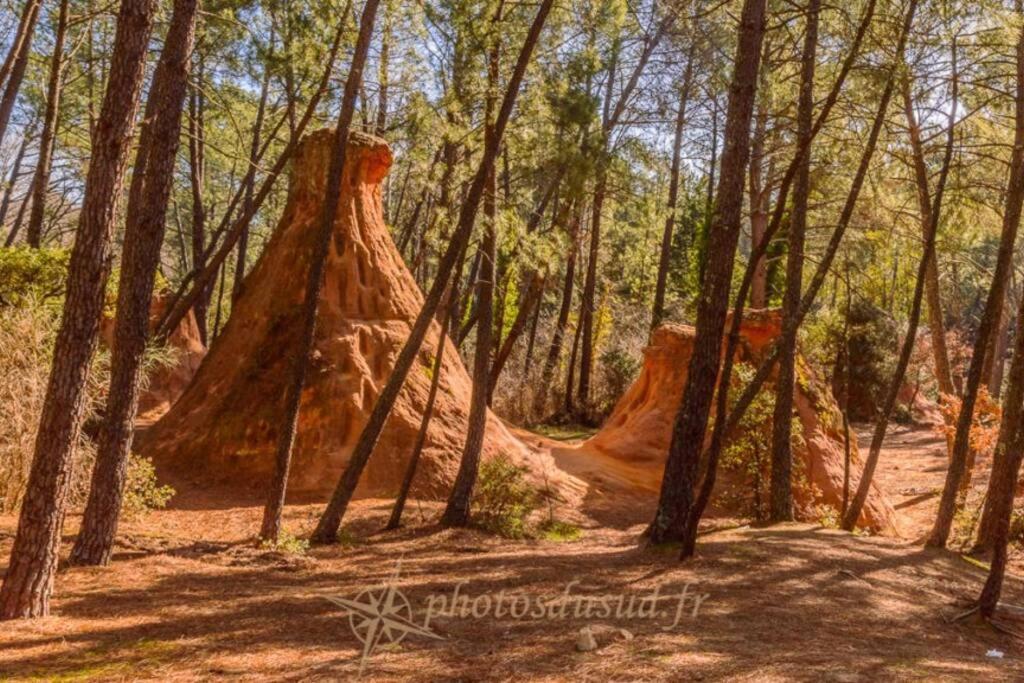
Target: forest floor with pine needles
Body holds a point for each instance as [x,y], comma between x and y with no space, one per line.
[190,596]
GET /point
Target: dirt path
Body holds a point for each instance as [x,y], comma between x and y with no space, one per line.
[189,598]
[911,471]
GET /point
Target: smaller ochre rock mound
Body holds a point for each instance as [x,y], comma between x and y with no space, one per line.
[224,428]
[639,429]
[168,380]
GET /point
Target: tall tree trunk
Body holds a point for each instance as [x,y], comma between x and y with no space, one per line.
[381,124]
[936,325]
[30,574]
[451,311]
[12,181]
[41,180]
[781,508]
[986,331]
[197,172]
[658,309]
[1003,480]
[271,528]
[528,302]
[456,513]
[759,194]
[555,348]
[144,235]
[679,480]
[892,392]
[250,182]
[330,520]
[13,70]
[589,296]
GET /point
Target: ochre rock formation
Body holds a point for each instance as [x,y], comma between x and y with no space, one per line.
[166,382]
[639,429]
[225,426]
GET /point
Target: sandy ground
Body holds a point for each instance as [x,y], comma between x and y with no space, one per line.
[189,597]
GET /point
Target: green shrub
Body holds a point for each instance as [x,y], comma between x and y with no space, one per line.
[287,543]
[142,493]
[503,499]
[557,530]
[32,274]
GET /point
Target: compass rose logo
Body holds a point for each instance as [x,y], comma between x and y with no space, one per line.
[381,614]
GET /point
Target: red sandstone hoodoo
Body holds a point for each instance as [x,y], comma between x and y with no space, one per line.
[224,428]
[639,429]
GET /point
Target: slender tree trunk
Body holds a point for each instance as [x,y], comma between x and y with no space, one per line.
[725,427]
[588,301]
[936,325]
[144,236]
[381,124]
[555,349]
[30,574]
[271,528]
[679,480]
[16,62]
[41,180]
[250,185]
[330,520]
[197,172]
[988,324]
[758,208]
[22,35]
[864,486]
[528,302]
[1003,481]
[451,310]
[456,513]
[12,181]
[658,309]
[781,508]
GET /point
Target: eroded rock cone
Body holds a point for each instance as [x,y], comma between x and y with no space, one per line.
[224,428]
[639,429]
[168,381]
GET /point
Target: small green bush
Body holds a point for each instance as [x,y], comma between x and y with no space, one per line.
[503,499]
[32,274]
[557,530]
[142,493]
[287,544]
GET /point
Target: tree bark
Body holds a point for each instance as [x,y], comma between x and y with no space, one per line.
[528,302]
[12,181]
[144,234]
[41,179]
[864,486]
[271,527]
[758,209]
[936,325]
[456,513]
[30,574]
[451,310]
[1002,484]
[330,521]
[986,327]
[557,337]
[197,171]
[16,62]
[250,184]
[679,480]
[781,507]
[658,309]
